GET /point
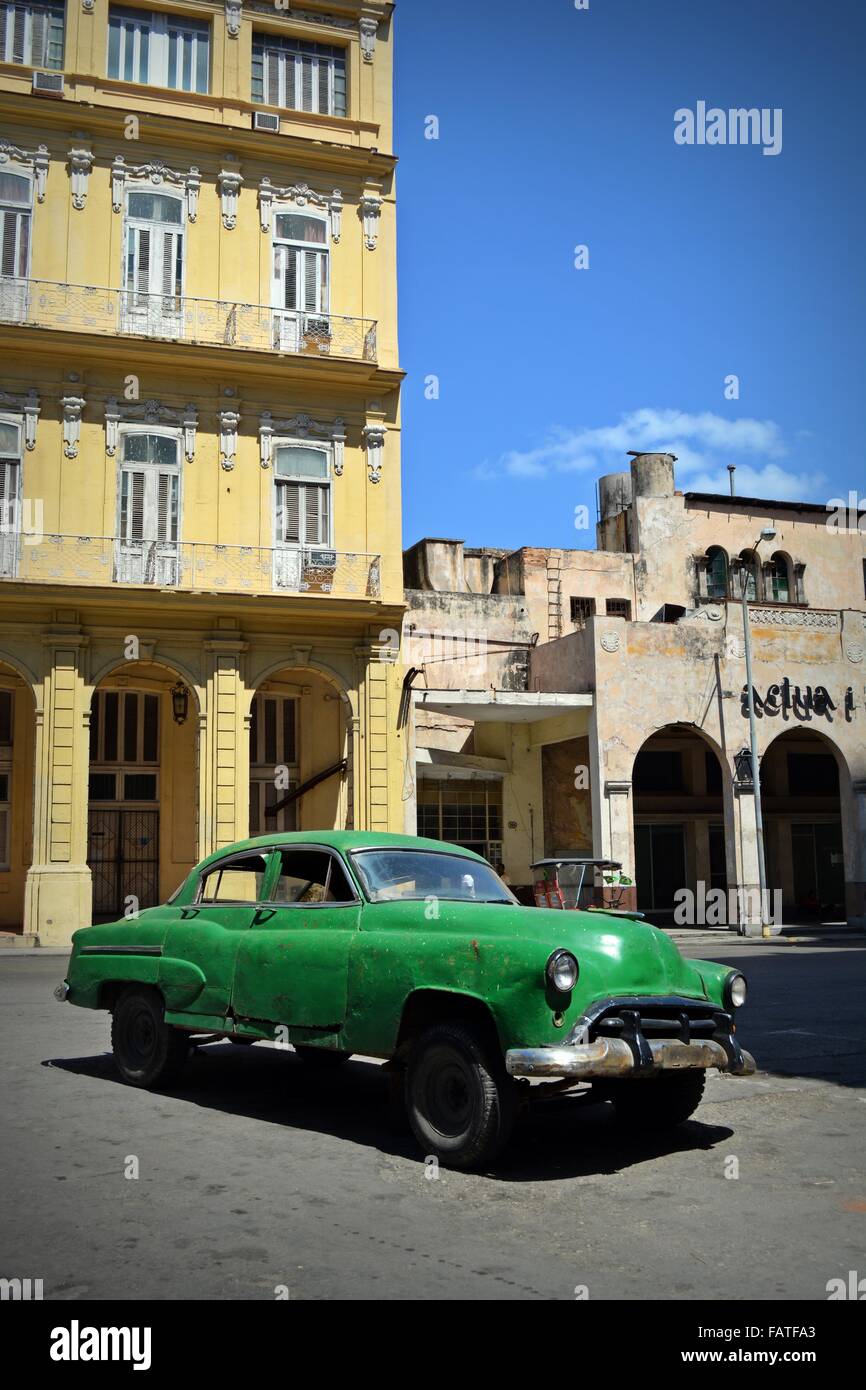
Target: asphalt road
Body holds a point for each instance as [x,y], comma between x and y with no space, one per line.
[259,1174]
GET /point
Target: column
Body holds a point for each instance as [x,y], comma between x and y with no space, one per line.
[375,669]
[58,893]
[747,878]
[617,833]
[224,754]
[854,848]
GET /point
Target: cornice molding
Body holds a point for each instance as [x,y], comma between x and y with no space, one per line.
[155,172]
[27,406]
[302,427]
[150,412]
[300,194]
[38,160]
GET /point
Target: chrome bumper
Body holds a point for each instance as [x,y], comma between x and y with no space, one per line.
[612,1057]
[61,993]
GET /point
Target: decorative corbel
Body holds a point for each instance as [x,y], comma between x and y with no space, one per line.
[266,202]
[266,435]
[229,421]
[374,439]
[88,6]
[189,425]
[233,17]
[369,29]
[371,206]
[229,182]
[30,406]
[72,408]
[339,437]
[80,167]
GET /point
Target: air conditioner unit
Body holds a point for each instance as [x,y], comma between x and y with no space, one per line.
[266,120]
[48,84]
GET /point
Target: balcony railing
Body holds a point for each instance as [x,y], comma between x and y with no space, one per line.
[184,319]
[188,565]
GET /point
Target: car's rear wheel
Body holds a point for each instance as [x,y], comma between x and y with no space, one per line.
[460,1102]
[659,1103]
[322,1057]
[147,1050]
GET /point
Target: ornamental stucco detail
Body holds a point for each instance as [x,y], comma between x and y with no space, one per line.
[27,406]
[301,195]
[371,208]
[150,412]
[301,427]
[610,641]
[229,421]
[71,406]
[374,441]
[369,29]
[234,9]
[37,160]
[80,168]
[795,617]
[157,173]
[229,182]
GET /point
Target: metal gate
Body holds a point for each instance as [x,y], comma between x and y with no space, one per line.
[123,854]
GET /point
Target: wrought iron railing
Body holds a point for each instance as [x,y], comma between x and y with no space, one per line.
[184,319]
[188,565]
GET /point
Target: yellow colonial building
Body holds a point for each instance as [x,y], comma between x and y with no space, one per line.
[200,550]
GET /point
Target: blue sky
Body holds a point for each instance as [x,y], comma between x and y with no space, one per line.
[556,130]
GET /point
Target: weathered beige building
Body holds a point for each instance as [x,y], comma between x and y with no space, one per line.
[593,701]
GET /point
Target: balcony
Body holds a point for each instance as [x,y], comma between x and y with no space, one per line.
[106,561]
[183,319]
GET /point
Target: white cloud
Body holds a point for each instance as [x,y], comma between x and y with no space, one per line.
[704,444]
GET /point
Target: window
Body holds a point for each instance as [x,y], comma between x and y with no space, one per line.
[153,270]
[149,509]
[408,875]
[240,881]
[16,200]
[10,496]
[160,50]
[124,727]
[31,33]
[581,609]
[311,876]
[299,75]
[618,608]
[716,573]
[273,746]
[469,815]
[301,292]
[303,495]
[777,584]
[747,565]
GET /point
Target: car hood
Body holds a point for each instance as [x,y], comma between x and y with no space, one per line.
[616,955]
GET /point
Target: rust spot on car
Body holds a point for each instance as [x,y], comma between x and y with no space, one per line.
[475,949]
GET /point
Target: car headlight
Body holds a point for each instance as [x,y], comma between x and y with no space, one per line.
[735,990]
[562,971]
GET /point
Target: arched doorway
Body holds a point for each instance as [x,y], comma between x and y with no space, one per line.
[142,792]
[17,760]
[678,793]
[803,825]
[300,754]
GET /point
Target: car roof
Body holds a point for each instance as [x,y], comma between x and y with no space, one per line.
[341,840]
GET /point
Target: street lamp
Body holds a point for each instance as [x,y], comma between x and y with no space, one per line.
[179,702]
[768,533]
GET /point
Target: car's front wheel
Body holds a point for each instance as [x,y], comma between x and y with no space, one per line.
[147,1050]
[659,1103]
[460,1102]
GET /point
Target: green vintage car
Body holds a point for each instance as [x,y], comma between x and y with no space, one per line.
[415,951]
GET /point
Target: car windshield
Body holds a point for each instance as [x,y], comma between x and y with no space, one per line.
[390,875]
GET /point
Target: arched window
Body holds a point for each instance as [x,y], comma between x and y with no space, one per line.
[717,573]
[749,576]
[777,579]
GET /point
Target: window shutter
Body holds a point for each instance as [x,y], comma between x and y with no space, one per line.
[324,104]
[290,298]
[306,84]
[290,72]
[132,505]
[166,521]
[37,37]
[289,513]
[142,236]
[8,484]
[10,237]
[18,33]
[272,71]
[311,270]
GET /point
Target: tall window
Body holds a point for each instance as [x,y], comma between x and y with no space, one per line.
[303,500]
[124,746]
[777,580]
[160,50]
[717,573]
[749,576]
[153,264]
[148,525]
[16,200]
[298,75]
[467,814]
[273,750]
[301,276]
[10,495]
[31,33]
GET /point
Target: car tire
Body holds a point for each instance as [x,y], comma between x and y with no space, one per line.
[324,1058]
[147,1050]
[460,1102]
[659,1103]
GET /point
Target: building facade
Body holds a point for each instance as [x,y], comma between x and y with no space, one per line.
[597,698]
[199,441]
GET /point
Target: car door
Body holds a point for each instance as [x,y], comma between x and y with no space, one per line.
[209,931]
[292,962]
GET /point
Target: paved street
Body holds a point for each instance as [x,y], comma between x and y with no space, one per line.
[260,1174]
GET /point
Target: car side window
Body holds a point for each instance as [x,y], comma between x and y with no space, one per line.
[311,876]
[237,882]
